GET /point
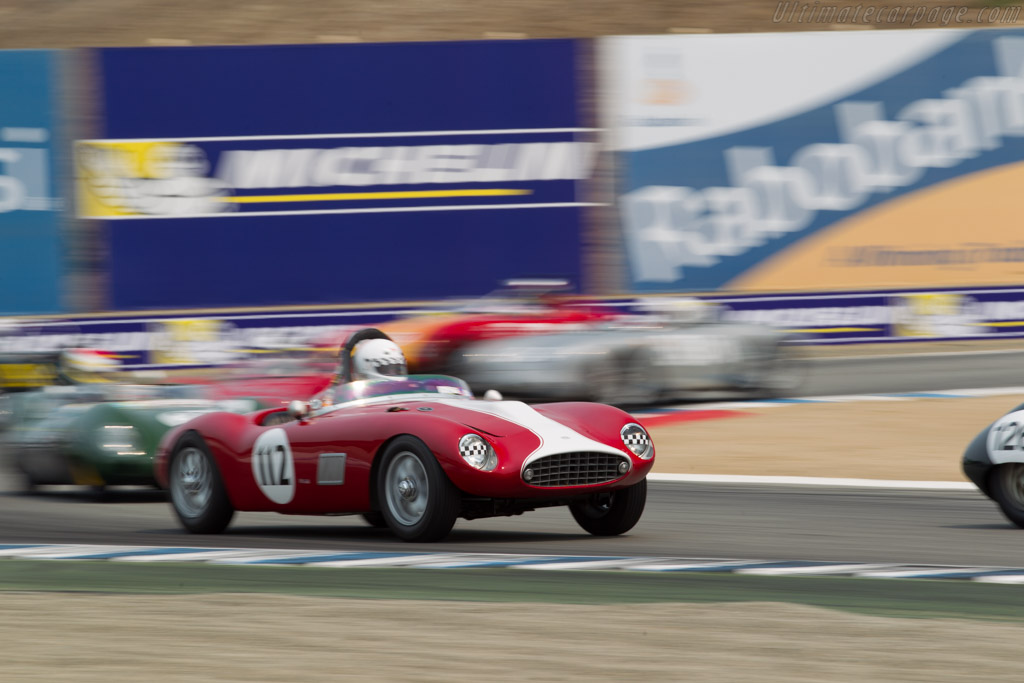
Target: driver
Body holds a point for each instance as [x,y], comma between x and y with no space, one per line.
[378,359]
[372,359]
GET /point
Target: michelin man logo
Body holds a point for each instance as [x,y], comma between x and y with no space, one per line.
[153,179]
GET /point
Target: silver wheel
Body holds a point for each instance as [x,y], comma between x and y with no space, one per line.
[191,483]
[406,488]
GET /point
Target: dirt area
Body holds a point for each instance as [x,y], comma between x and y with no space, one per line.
[84,23]
[920,439]
[282,638]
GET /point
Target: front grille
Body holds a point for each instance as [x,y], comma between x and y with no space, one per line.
[575,469]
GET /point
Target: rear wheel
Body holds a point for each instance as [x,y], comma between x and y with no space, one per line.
[418,501]
[1007,485]
[197,490]
[611,514]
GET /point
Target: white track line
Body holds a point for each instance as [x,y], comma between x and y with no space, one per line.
[812,481]
[924,354]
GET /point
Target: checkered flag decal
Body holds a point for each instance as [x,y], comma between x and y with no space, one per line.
[473,447]
[635,437]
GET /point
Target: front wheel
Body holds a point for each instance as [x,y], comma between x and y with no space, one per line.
[1008,491]
[611,514]
[197,490]
[418,501]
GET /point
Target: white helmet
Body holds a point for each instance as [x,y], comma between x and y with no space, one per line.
[378,359]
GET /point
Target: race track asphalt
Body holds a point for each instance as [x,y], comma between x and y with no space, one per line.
[757,522]
[754,522]
[892,372]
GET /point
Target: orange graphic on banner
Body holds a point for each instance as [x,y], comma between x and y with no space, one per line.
[963,232]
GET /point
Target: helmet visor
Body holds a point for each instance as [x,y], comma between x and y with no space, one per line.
[392,369]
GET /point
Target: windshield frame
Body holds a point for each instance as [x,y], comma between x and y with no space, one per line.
[417,388]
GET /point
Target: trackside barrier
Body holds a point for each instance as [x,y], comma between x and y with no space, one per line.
[182,340]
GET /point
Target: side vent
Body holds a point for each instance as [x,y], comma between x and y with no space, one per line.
[330,469]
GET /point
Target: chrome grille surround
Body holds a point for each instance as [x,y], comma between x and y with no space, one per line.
[579,468]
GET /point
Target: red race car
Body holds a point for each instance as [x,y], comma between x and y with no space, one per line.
[413,453]
[520,307]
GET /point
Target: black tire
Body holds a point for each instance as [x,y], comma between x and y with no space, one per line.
[611,514]
[417,500]
[1007,487]
[196,489]
[375,519]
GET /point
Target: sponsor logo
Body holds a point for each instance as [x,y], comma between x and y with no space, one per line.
[25,170]
[670,228]
[224,176]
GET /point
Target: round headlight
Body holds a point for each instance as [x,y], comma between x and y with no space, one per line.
[475,450]
[637,441]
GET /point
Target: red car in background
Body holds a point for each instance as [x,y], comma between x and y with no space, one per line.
[520,307]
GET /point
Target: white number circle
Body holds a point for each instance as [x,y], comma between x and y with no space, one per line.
[1006,438]
[273,467]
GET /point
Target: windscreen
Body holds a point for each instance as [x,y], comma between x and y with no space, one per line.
[413,386]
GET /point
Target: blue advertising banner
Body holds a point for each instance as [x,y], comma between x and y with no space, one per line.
[895,162]
[30,241]
[336,173]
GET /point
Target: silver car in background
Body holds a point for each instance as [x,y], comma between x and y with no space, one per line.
[680,351]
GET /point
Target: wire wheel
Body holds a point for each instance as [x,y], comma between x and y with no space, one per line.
[198,495]
[191,483]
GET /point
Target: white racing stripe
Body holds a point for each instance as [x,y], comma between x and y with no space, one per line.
[554,436]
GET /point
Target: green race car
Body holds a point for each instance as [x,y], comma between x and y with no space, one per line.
[77,437]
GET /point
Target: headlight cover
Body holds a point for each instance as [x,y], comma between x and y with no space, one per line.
[475,450]
[635,438]
[120,439]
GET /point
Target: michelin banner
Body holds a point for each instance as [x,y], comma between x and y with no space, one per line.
[336,173]
[31,258]
[819,161]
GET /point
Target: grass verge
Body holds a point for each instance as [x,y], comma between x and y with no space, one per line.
[904,598]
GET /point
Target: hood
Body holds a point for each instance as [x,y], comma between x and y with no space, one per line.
[514,420]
